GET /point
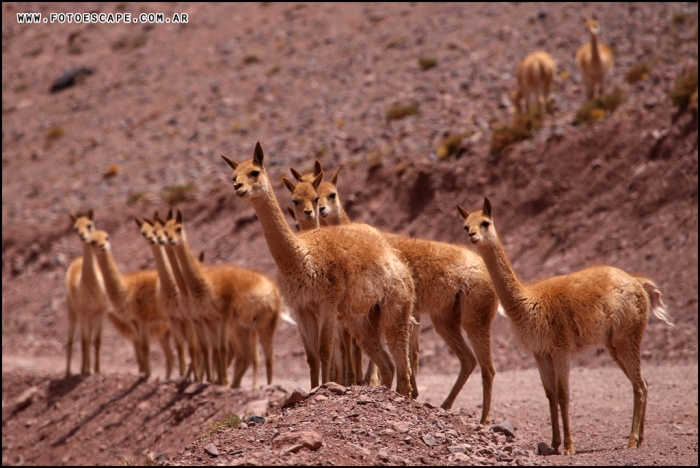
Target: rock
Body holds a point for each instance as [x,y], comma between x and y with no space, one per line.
[25,399]
[335,388]
[459,448]
[461,457]
[364,399]
[256,420]
[309,439]
[504,427]
[363,451]
[297,396]
[242,426]
[429,440]
[321,398]
[544,449]
[292,448]
[195,388]
[383,455]
[401,427]
[211,450]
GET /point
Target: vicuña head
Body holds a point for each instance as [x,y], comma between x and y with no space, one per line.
[83,223]
[100,239]
[480,228]
[305,201]
[307,177]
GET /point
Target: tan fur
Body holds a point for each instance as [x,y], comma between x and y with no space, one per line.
[342,271]
[305,201]
[453,286]
[133,297]
[556,317]
[534,74]
[232,298]
[86,299]
[595,61]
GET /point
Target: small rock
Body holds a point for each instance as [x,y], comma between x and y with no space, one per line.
[335,388]
[242,426]
[309,439]
[363,451]
[461,457]
[429,440]
[401,427]
[321,398]
[255,420]
[212,450]
[383,455]
[297,396]
[459,448]
[25,399]
[504,427]
[543,448]
[364,399]
[292,448]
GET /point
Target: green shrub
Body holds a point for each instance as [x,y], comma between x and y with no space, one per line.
[522,128]
[600,107]
[683,88]
[426,63]
[637,73]
[400,112]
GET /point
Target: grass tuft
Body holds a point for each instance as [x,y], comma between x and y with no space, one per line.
[53,133]
[637,73]
[521,128]
[111,171]
[134,197]
[249,59]
[683,89]
[426,63]
[229,421]
[400,112]
[449,145]
[177,193]
[600,107]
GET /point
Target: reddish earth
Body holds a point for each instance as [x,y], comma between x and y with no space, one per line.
[315,81]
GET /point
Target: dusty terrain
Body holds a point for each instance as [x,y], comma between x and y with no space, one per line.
[315,82]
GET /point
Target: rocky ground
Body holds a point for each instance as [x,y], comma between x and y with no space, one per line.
[144,133]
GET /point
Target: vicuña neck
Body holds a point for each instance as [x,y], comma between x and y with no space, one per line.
[177,272]
[286,249]
[165,273]
[114,282]
[595,54]
[194,279]
[510,291]
[89,273]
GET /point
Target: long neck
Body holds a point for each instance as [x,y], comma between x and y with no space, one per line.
[286,249]
[114,282]
[308,224]
[595,54]
[192,274]
[177,272]
[510,291]
[165,273]
[89,273]
[340,218]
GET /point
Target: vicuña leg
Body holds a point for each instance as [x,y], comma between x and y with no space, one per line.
[365,330]
[561,362]
[479,334]
[394,321]
[326,336]
[546,367]
[72,321]
[308,331]
[97,324]
[414,350]
[629,360]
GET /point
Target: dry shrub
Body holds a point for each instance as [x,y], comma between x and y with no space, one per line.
[249,59]
[683,89]
[426,63]
[177,193]
[53,133]
[400,112]
[637,73]
[600,107]
[128,42]
[134,197]
[450,145]
[522,128]
[111,171]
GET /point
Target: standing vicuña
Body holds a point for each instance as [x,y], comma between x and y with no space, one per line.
[534,74]
[558,316]
[342,271]
[595,61]
[86,298]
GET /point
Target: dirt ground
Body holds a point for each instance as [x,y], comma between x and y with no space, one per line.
[314,81]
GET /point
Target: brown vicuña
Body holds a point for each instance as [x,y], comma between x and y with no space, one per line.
[342,271]
[453,286]
[534,75]
[86,298]
[242,303]
[595,61]
[556,317]
[133,297]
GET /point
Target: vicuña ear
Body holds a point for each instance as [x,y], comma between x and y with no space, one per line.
[138,223]
[179,217]
[464,213]
[334,177]
[317,167]
[258,156]
[289,184]
[170,214]
[157,219]
[594,16]
[230,162]
[150,223]
[201,256]
[317,181]
[72,217]
[291,212]
[91,214]
[295,173]
[487,207]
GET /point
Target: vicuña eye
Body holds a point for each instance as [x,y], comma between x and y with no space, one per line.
[333,196]
[466,228]
[485,224]
[295,202]
[255,173]
[178,229]
[317,198]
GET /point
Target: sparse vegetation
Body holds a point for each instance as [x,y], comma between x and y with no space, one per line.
[229,421]
[522,128]
[598,108]
[177,193]
[249,59]
[273,70]
[111,171]
[681,18]
[53,133]
[396,42]
[400,112]
[124,462]
[683,89]
[426,63]
[320,151]
[449,145]
[637,73]
[134,197]
[127,42]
